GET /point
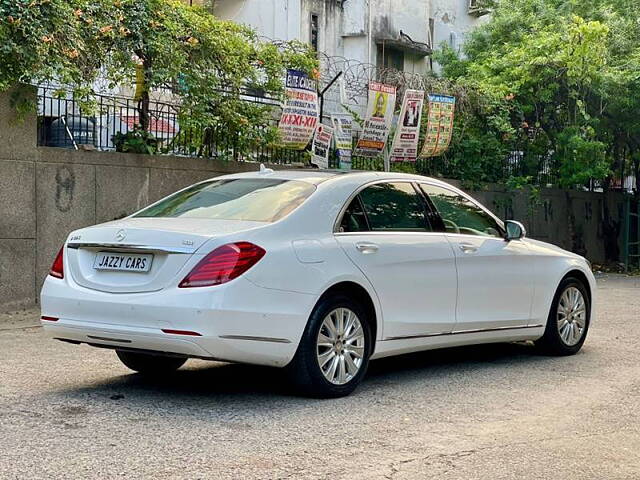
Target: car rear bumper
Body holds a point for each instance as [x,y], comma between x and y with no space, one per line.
[237,322]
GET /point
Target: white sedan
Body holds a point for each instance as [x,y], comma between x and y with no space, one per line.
[315,271]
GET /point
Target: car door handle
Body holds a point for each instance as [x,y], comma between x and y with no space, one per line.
[468,248]
[367,248]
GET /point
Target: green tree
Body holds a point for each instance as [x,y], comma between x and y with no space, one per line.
[207,63]
[560,78]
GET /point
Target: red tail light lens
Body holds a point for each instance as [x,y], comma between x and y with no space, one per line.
[223,265]
[57,269]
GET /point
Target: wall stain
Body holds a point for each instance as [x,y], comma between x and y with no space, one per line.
[65,187]
[548,210]
[588,211]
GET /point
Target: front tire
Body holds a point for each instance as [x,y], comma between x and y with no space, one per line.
[568,321]
[333,354]
[151,365]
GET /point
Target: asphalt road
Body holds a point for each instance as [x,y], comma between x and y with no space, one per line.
[492,412]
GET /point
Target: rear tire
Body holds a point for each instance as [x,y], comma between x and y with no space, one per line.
[333,354]
[148,364]
[568,321]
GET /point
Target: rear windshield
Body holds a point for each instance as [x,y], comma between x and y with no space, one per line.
[258,200]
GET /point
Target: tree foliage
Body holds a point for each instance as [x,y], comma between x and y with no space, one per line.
[204,61]
[560,85]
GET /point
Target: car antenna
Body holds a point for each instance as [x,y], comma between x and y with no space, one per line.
[264,170]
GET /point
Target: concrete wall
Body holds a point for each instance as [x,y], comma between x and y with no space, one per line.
[275,19]
[452,23]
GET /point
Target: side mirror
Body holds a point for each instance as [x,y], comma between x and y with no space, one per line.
[515,230]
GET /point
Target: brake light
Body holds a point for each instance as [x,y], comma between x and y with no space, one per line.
[223,265]
[57,269]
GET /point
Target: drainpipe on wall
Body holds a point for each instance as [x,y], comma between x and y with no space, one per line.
[369,37]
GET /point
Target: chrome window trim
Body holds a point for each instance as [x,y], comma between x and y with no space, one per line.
[338,221]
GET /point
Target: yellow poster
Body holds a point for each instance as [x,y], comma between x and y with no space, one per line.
[439,126]
[140,83]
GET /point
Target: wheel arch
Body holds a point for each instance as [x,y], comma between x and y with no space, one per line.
[582,277]
[361,295]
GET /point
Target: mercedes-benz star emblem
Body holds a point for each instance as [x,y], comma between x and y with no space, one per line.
[121,235]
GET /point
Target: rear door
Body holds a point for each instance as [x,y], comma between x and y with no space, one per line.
[495,286]
[386,233]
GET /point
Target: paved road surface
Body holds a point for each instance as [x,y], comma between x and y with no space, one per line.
[492,412]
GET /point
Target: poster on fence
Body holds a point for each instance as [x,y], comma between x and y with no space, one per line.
[343,137]
[405,142]
[382,102]
[439,126]
[321,146]
[299,112]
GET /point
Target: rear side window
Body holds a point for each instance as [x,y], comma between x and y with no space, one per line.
[259,200]
[394,207]
[354,218]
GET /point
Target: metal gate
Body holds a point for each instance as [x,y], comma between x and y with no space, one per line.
[631,234]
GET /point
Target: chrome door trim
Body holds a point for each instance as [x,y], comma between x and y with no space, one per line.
[390,232]
[463,332]
[130,247]
[255,339]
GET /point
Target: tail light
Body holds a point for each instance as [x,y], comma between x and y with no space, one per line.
[223,265]
[57,269]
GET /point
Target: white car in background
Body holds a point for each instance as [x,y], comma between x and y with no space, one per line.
[316,271]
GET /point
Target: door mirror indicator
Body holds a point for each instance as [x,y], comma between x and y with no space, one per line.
[515,230]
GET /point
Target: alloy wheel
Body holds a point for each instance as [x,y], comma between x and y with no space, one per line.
[571,316]
[340,346]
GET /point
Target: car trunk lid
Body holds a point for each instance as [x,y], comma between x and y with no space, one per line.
[167,243]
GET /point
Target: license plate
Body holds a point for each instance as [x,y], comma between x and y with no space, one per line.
[127,262]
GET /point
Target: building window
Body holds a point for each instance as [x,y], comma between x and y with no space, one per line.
[315,31]
[390,57]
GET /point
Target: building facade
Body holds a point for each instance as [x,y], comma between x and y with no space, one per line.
[399,34]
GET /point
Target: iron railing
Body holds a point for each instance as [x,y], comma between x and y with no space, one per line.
[63,123]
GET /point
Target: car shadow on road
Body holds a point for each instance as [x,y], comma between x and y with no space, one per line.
[221,383]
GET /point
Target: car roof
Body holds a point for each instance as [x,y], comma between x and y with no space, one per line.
[316,176]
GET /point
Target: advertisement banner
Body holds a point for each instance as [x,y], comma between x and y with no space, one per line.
[440,125]
[321,146]
[343,136]
[382,102]
[299,112]
[405,142]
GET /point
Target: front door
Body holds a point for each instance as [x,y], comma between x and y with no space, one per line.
[385,232]
[495,281]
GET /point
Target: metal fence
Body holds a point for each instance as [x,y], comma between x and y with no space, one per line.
[63,123]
